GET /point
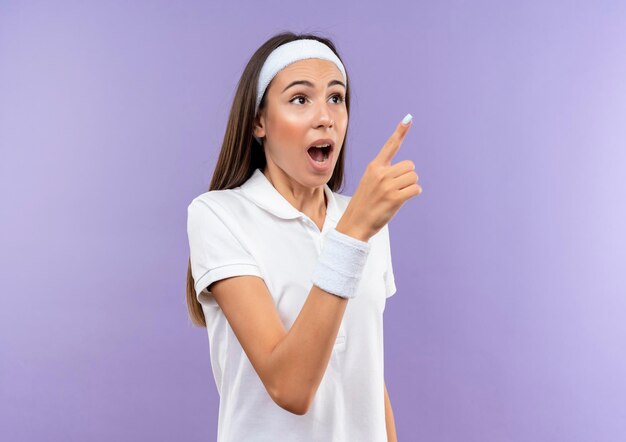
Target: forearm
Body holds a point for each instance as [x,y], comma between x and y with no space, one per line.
[389,421]
[301,358]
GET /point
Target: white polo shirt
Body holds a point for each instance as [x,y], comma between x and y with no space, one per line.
[253,230]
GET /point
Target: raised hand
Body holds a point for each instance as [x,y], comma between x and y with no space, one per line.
[383,189]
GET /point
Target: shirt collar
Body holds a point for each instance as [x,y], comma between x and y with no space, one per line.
[262,192]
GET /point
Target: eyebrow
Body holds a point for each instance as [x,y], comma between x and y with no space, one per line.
[309,84]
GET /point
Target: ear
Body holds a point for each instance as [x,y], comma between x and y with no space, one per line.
[259,125]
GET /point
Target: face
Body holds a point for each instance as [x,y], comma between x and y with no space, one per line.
[296,116]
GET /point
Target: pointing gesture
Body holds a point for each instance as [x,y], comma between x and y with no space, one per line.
[391,147]
[383,189]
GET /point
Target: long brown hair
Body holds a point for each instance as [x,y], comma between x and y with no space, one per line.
[241,154]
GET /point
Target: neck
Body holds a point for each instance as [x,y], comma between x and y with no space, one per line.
[309,200]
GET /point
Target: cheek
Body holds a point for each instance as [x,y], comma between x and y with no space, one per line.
[290,129]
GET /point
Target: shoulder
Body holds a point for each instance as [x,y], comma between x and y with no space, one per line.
[213,208]
[218,200]
[225,209]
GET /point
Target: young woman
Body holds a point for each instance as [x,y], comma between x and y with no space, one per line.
[289,277]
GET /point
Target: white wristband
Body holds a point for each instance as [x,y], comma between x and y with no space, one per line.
[340,264]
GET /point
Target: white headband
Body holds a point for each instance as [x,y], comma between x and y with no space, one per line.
[289,53]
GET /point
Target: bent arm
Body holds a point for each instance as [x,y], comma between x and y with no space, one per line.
[291,363]
[300,359]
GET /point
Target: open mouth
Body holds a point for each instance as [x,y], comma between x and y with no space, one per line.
[319,154]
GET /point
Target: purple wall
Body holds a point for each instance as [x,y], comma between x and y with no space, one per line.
[508,324]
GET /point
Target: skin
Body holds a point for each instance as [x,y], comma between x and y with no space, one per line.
[291,121]
[389,420]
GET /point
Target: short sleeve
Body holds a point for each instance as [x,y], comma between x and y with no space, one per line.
[390,284]
[216,252]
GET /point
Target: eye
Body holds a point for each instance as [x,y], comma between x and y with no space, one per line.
[297,96]
[339,96]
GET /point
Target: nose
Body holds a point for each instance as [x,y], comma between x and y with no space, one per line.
[324,117]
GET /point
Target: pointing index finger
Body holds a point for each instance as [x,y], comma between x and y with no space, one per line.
[392,145]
